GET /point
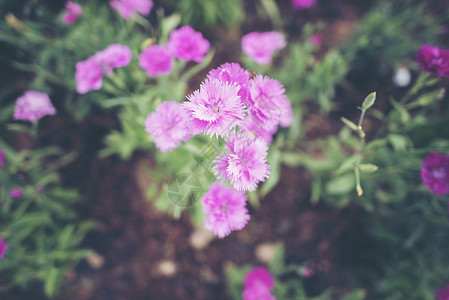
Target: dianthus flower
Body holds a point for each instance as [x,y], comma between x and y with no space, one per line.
[88,75]
[433,60]
[187,44]
[303,4]
[234,73]
[168,125]
[215,108]
[2,158]
[73,11]
[316,40]
[127,8]
[32,106]
[16,193]
[443,294]
[225,209]
[245,163]
[3,247]
[156,60]
[268,104]
[435,173]
[258,284]
[114,56]
[260,45]
[253,128]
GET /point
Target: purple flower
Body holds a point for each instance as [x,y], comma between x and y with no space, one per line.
[245,163]
[254,129]
[126,8]
[88,75]
[433,60]
[225,209]
[168,125]
[215,108]
[32,106]
[308,272]
[443,294]
[16,193]
[187,44]
[2,158]
[3,247]
[156,60]
[73,11]
[316,40]
[258,284]
[435,173]
[261,45]
[114,56]
[303,4]
[268,104]
[233,73]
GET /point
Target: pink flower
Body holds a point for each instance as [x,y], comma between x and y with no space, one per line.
[73,11]
[308,272]
[3,247]
[187,44]
[2,158]
[114,56]
[435,173]
[215,108]
[258,284]
[316,40]
[16,193]
[268,104]
[168,125]
[225,209]
[32,106]
[261,45]
[233,73]
[88,75]
[303,4]
[126,8]
[433,60]
[253,128]
[443,294]
[156,60]
[245,163]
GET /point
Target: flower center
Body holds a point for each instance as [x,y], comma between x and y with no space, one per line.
[439,173]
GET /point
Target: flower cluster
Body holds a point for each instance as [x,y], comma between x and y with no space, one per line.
[89,73]
[32,106]
[73,11]
[260,46]
[3,247]
[303,4]
[433,60]
[184,44]
[258,284]
[443,294]
[225,209]
[127,8]
[435,173]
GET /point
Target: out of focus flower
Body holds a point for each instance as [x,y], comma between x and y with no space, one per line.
[16,193]
[258,284]
[73,11]
[303,4]
[308,272]
[2,158]
[402,77]
[435,173]
[433,60]
[260,45]
[114,56]
[32,106]
[245,163]
[3,247]
[225,209]
[126,8]
[316,40]
[168,125]
[443,294]
[156,60]
[88,75]
[215,108]
[253,128]
[233,73]
[187,44]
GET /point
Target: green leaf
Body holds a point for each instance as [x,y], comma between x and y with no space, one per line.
[341,185]
[51,281]
[368,168]
[369,101]
[274,160]
[349,123]
[355,295]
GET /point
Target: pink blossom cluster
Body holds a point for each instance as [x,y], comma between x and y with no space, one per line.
[72,12]
[184,44]
[260,46]
[127,8]
[443,294]
[32,106]
[433,60]
[303,4]
[3,247]
[435,173]
[225,209]
[258,285]
[89,73]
